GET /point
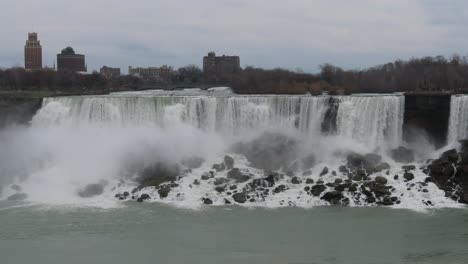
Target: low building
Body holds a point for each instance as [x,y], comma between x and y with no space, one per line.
[151,72]
[69,61]
[216,68]
[110,72]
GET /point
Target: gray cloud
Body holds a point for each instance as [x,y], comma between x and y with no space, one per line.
[267,33]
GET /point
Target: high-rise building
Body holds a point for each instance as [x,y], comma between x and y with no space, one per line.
[71,62]
[216,68]
[32,53]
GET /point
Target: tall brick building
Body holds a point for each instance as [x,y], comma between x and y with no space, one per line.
[216,68]
[68,60]
[32,53]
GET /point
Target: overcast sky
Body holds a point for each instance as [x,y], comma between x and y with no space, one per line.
[267,33]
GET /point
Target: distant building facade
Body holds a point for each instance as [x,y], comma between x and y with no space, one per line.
[32,53]
[109,72]
[69,61]
[151,72]
[217,67]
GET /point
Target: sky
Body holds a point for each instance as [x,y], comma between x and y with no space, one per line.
[293,34]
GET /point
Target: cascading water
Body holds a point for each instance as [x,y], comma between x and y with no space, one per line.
[372,119]
[458,122]
[77,141]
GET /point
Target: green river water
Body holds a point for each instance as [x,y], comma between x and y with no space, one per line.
[155,233]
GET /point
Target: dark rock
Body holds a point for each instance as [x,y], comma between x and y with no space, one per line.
[333,197]
[207,201]
[219,167]
[295,180]
[196,182]
[309,181]
[387,201]
[334,173]
[158,173]
[343,169]
[18,197]
[338,181]
[220,181]
[229,162]
[137,189]
[408,176]
[233,187]
[450,155]
[164,191]
[125,194]
[237,175]
[402,155]
[220,189]
[239,197]
[408,167]
[226,201]
[324,171]
[316,190]
[206,176]
[145,196]
[381,180]
[382,166]
[91,190]
[396,177]
[353,187]
[139,200]
[355,160]
[280,188]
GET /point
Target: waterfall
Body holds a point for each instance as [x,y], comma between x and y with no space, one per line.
[371,120]
[458,122]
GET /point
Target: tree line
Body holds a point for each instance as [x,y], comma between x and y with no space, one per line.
[427,74]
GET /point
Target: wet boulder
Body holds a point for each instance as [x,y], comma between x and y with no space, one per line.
[324,171]
[408,176]
[333,197]
[239,197]
[229,162]
[450,155]
[280,188]
[219,167]
[164,191]
[158,173]
[381,180]
[237,175]
[316,190]
[207,201]
[220,181]
[296,180]
[408,167]
[355,160]
[381,167]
